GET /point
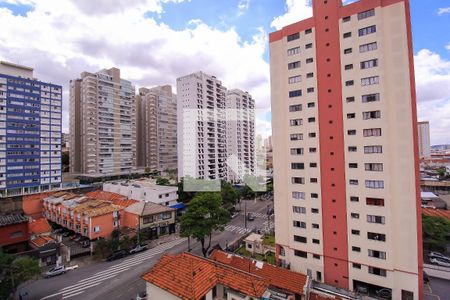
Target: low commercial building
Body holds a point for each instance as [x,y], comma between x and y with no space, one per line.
[13,233]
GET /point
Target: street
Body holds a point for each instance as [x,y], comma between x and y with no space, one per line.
[121,279]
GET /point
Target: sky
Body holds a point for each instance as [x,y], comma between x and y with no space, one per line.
[155,41]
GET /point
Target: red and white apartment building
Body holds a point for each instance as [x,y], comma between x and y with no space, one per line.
[347,197]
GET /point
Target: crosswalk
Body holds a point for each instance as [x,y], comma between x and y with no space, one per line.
[237,229]
[257,215]
[111,272]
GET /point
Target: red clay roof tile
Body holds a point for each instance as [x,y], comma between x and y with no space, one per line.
[39,226]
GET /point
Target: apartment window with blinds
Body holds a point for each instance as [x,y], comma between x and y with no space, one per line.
[348,67]
[348,51]
[308,46]
[296,137]
[366,14]
[355,232]
[377,254]
[349,83]
[296,107]
[300,253]
[370,80]
[367,115]
[293,37]
[351,132]
[299,209]
[297,151]
[296,122]
[370,98]
[377,271]
[368,47]
[352,149]
[310,90]
[297,166]
[375,167]
[354,215]
[315,226]
[298,180]
[376,236]
[372,132]
[367,30]
[299,224]
[350,99]
[311,104]
[347,35]
[373,149]
[298,195]
[346,19]
[309,60]
[300,239]
[308,31]
[309,75]
[375,219]
[295,79]
[296,93]
[293,65]
[369,64]
[353,182]
[293,51]
[375,201]
[375,184]
[356,249]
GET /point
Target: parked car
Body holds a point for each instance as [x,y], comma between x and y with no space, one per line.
[440,262]
[438,255]
[85,244]
[55,272]
[234,215]
[384,293]
[362,289]
[426,278]
[117,255]
[251,216]
[141,295]
[138,248]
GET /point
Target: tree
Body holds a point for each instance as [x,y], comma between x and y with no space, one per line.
[435,233]
[229,196]
[15,270]
[183,196]
[204,215]
[162,181]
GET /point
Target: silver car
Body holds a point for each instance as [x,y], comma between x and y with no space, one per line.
[55,272]
[440,262]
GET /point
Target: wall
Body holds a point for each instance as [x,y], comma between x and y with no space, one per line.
[6,231]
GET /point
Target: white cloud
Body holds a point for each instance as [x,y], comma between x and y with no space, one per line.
[243,6]
[448,47]
[63,38]
[433,93]
[296,10]
[443,11]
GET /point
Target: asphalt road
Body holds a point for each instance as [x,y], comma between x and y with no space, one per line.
[437,289]
[121,279]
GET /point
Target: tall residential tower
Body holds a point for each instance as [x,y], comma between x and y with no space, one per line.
[424,139]
[347,195]
[102,124]
[30,132]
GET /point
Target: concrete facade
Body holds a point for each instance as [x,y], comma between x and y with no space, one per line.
[424,139]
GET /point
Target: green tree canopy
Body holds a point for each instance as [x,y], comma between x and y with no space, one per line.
[435,233]
[204,215]
[162,181]
[229,196]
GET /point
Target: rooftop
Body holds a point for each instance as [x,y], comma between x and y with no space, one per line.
[431,212]
[39,226]
[150,184]
[42,240]
[190,277]
[11,219]
[142,208]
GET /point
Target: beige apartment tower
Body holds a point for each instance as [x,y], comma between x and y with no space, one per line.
[345,149]
[102,124]
[424,139]
[156,111]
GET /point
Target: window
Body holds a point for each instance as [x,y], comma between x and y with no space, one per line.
[347,35]
[377,254]
[373,149]
[311,104]
[315,210]
[366,14]
[293,65]
[353,165]
[355,232]
[313,180]
[367,115]
[348,51]
[316,256]
[300,253]
[312,134]
[370,80]
[349,67]
[377,271]
[300,239]
[297,166]
[298,180]
[354,199]
[16,234]
[313,165]
[296,122]
[350,99]
[96,229]
[296,151]
[310,90]
[295,79]
[311,120]
[293,51]
[147,220]
[308,31]
[376,167]
[308,46]
[296,93]
[356,266]
[296,137]
[315,226]
[368,47]
[356,249]
[310,75]
[376,236]
[296,107]
[375,184]
[355,215]
[349,83]
[353,182]
[299,209]
[351,132]
[367,30]
[372,132]
[299,224]
[312,150]
[375,219]
[375,201]
[316,241]
[346,19]
[309,60]
[352,149]
[351,116]
[371,98]
[298,195]
[166,216]
[293,37]
[369,64]
[407,295]
[314,195]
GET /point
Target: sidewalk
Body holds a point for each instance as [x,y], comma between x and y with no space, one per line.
[436,271]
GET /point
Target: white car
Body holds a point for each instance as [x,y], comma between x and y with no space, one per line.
[440,262]
[55,272]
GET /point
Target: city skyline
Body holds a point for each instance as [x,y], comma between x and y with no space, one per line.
[233,46]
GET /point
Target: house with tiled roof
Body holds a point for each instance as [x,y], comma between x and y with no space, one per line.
[13,232]
[39,227]
[46,250]
[189,277]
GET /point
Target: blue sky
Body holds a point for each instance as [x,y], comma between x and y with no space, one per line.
[155,41]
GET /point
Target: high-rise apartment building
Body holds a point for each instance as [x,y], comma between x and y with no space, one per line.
[102,124]
[156,111]
[424,139]
[30,132]
[346,175]
[240,135]
[202,145]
